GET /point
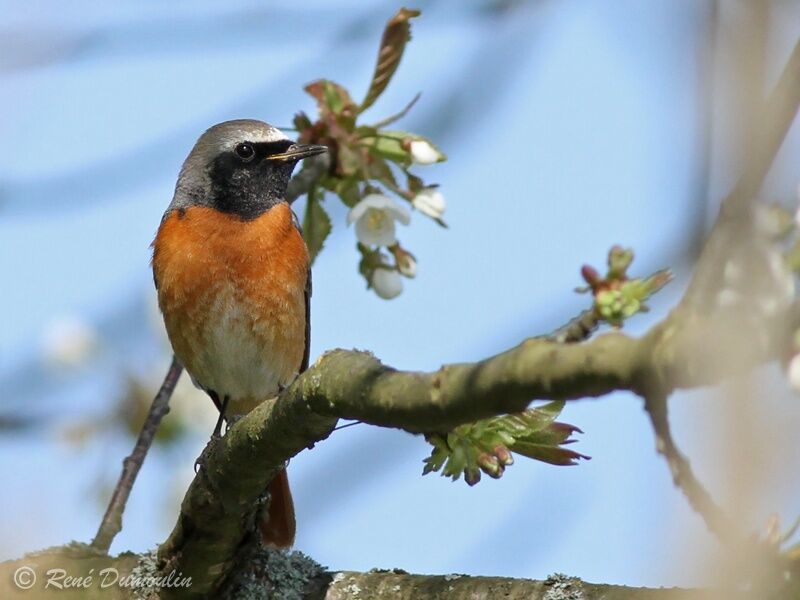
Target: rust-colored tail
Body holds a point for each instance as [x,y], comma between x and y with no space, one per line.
[277,522]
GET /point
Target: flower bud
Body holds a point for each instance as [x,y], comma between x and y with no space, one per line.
[387,283]
[503,455]
[423,153]
[490,465]
[430,201]
[590,275]
[405,261]
[472,476]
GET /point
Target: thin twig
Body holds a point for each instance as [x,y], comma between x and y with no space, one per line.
[112,520]
[682,475]
[397,116]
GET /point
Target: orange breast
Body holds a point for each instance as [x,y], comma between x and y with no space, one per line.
[232,293]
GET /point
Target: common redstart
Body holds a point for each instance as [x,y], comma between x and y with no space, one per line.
[233,279]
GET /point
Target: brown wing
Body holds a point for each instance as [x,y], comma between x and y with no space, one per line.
[307,350]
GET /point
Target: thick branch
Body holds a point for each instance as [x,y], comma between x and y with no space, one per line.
[272,574]
[220,507]
[355,385]
[402,586]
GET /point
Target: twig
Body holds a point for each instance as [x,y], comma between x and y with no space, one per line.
[112,520]
[682,475]
[313,170]
[397,116]
[578,329]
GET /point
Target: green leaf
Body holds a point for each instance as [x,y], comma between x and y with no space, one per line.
[370,260]
[347,189]
[387,146]
[379,169]
[316,223]
[301,121]
[352,161]
[393,43]
[486,445]
[393,145]
[331,97]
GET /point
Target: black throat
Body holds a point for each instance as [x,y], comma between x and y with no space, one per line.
[249,189]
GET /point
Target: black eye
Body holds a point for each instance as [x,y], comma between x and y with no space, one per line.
[245,151]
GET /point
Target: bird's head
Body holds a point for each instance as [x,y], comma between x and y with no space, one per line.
[239,167]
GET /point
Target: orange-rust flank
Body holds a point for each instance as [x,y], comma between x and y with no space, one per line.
[233,297]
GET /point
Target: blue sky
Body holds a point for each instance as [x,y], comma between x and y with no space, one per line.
[570,126]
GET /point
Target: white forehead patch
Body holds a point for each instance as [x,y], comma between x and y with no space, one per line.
[225,136]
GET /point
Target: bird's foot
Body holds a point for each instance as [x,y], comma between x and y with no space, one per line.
[201,461]
[231,420]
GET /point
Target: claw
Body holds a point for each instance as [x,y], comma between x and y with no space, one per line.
[201,460]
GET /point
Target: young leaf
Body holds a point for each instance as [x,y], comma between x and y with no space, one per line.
[330,96]
[316,223]
[487,445]
[393,43]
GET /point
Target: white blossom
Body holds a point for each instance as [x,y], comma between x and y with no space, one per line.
[69,342]
[430,201]
[387,283]
[423,152]
[374,217]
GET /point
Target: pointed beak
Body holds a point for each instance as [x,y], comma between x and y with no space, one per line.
[297,152]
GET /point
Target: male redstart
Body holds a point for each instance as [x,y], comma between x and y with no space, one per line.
[233,279]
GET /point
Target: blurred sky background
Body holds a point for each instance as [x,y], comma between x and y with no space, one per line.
[569,125]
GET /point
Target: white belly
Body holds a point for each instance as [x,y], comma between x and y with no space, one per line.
[240,357]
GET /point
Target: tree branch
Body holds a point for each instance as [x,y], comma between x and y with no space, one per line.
[294,576]
[771,127]
[682,475]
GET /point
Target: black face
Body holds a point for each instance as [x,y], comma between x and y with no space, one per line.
[246,182]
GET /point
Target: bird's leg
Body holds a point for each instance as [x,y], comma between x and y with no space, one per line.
[216,434]
[218,427]
[231,420]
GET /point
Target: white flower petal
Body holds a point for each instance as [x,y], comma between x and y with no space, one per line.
[431,202]
[387,284]
[376,229]
[423,152]
[400,213]
[374,217]
[358,210]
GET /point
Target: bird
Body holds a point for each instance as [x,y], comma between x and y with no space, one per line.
[233,278]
